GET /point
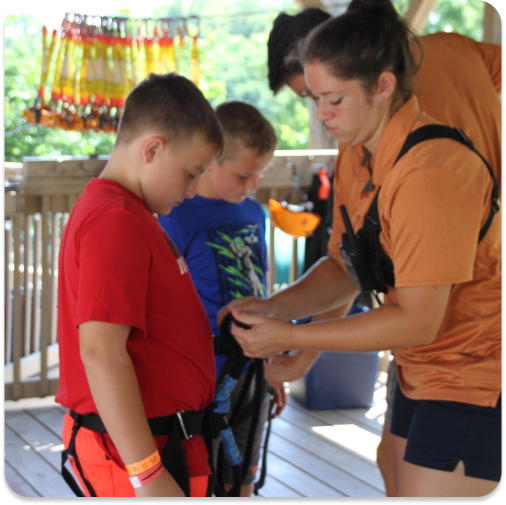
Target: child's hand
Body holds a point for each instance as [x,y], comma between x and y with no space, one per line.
[285,368]
[278,402]
[268,335]
[162,486]
[247,304]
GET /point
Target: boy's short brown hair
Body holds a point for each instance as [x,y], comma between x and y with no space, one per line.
[244,125]
[174,108]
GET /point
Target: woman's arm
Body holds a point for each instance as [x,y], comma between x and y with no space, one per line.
[325,286]
[414,320]
[285,368]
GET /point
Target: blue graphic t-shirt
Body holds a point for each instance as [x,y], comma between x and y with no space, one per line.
[224,247]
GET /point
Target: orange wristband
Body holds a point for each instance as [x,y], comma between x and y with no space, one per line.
[145,464]
[143,478]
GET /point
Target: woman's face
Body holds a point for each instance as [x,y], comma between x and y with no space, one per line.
[352,115]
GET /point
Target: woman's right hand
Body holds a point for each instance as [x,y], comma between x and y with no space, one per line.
[247,304]
[162,486]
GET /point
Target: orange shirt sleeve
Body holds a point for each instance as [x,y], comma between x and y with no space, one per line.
[434,219]
[491,56]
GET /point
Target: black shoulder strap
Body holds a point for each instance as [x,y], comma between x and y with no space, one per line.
[435,131]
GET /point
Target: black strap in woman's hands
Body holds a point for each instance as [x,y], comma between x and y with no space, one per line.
[237,360]
[229,318]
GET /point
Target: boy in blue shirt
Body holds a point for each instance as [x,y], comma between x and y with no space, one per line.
[221,235]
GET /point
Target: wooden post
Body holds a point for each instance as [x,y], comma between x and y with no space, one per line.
[491,25]
[8,288]
[271,275]
[304,4]
[27,294]
[294,265]
[37,225]
[55,242]
[17,317]
[418,14]
[45,334]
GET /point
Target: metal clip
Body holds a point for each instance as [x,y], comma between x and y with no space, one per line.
[181,422]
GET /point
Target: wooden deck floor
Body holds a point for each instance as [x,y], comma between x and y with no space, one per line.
[319,453]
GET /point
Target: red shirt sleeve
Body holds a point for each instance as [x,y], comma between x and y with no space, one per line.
[114,256]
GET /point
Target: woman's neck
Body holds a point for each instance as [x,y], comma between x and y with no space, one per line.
[372,145]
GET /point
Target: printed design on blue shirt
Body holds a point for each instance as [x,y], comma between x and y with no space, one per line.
[183,268]
[238,254]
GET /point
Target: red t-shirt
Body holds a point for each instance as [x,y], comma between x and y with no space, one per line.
[117,265]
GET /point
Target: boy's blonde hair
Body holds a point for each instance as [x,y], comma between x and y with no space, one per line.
[174,108]
[244,126]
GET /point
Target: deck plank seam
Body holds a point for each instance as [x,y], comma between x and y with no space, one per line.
[13,468]
[47,426]
[291,463]
[354,476]
[353,420]
[283,484]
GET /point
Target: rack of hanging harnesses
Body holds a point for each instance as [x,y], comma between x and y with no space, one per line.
[221,421]
[91,62]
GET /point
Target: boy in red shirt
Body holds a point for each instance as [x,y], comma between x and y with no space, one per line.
[136,353]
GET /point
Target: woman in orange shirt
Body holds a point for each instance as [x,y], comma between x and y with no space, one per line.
[440,245]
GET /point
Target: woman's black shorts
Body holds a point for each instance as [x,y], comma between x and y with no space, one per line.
[440,434]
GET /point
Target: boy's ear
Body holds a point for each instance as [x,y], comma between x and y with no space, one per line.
[152,148]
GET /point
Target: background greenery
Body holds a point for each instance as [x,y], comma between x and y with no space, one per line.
[233,64]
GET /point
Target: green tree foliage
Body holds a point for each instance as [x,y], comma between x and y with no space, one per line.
[461,16]
[233,64]
[23,53]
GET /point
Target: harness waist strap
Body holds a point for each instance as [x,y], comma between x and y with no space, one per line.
[190,422]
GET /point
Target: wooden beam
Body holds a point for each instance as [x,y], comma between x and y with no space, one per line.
[418,14]
[491,25]
[304,4]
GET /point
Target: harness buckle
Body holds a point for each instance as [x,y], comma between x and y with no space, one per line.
[179,415]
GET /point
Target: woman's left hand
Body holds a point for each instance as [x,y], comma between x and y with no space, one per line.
[268,335]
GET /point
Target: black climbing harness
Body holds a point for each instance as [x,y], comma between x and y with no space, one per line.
[179,426]
[211,422]
[222,424]
[370,268]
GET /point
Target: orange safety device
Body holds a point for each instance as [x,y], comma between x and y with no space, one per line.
[324,189]
[149,49]
[132,76]
[171,55]
[56,89]
[293,219]
[90,64]
[194,62]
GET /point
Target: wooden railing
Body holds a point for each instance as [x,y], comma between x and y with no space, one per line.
[35,215]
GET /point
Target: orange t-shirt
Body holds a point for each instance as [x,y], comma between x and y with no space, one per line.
[432,205]
[458,84]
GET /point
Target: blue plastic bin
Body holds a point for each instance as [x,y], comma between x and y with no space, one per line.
[338,380]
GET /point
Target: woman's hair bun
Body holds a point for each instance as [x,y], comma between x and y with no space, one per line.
[378,7]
